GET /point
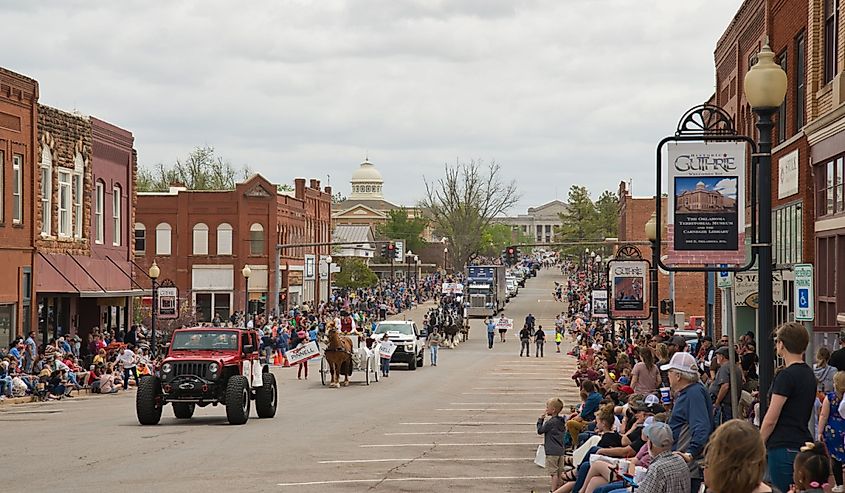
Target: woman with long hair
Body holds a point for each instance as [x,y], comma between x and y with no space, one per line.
[735,459]
[645,377]
[831,428]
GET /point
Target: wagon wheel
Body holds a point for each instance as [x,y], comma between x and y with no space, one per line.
[374,361]
[323,369]
[367,371]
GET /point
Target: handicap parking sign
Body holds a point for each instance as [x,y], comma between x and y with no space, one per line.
[803,298]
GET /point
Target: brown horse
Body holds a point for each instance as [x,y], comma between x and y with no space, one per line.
[338,355]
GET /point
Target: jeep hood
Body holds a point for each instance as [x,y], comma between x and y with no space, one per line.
[226,357]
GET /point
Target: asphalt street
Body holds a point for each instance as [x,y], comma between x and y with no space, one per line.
[467,424]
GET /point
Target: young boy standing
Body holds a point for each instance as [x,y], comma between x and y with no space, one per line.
[553,430]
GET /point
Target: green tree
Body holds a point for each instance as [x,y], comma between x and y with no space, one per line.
[464,202]
[338,198]
[201,170]
[495,238]
[400,227]
[586,220]
[354,274]
[284,187]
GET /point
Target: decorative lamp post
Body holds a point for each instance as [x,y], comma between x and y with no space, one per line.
[409,255]
[765,88]
[154,273]
[328,260]
[246,273]
[445,266]
[651,234]
[598,270]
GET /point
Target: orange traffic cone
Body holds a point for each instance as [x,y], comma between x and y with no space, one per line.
[276,359]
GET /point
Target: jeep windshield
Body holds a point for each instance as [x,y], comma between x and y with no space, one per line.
[205,340]
[406,329]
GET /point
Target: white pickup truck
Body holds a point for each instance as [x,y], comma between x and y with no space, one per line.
[409,340]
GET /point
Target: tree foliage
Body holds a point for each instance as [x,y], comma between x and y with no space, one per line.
[354,274]
[338,197]
[201,170]
[400,227]
[587,220]
[464,202]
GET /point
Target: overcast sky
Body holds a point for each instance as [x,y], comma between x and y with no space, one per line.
[559,92]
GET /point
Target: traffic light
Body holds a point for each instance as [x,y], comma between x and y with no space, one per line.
[390,253]
[667,307]
[511,255]
[384,250]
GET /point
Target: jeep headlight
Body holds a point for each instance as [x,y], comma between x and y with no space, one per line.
[213,367]
[166,368]
[409,347]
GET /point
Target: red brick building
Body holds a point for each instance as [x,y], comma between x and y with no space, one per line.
[784,23]
[202,240]
[18,147]
[634,213]
[82,262]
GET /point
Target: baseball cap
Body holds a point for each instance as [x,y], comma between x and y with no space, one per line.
[660,434]
[682,362]
[678,341]
[724,351]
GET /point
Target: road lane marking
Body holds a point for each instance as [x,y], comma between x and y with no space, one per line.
[430,459]
[487,409]
[469,423]
[436,444]
[492,403]
[406,433]
[391,480]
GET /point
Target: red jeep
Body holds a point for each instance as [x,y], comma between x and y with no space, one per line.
[209,365]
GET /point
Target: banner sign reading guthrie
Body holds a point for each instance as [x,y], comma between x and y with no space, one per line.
[706,213]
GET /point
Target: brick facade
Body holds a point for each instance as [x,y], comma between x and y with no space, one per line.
[206,267]
[18,147]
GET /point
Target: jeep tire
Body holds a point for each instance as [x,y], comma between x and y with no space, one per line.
[237,400]
[421,359]
[183,410]
[412,363]
[266,396]
[148,400]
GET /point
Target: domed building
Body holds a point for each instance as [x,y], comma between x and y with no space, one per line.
[366,204]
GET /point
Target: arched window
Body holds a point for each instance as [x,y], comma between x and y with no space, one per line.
[256,239]
[99,207]
[163,239]
[117,223]
[140,239]
[200,239]
[46,190]
[224,239]
[77,184]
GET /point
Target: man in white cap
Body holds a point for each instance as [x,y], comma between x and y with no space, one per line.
[692,418]
[668,472]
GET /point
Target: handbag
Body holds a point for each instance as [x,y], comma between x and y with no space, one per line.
[540,457]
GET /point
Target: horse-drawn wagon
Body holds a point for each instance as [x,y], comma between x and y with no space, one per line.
[344,353]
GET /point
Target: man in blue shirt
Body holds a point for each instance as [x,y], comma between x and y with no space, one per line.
[491,331]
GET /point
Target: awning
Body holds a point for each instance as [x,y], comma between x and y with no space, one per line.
[85,276]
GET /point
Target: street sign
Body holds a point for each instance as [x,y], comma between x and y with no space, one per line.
[804,302]
[168,302]
[725,280]
[745,289]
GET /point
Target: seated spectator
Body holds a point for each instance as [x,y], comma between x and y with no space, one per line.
[100,358]
[668,472]
[109,380]
[578,422]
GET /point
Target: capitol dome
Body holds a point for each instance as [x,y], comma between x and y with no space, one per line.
[366,182]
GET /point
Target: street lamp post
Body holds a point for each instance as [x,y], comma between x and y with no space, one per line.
[409,255]
[154,273]
[445,266]
[651,234]
[598,270]
[246,273]
[765,88]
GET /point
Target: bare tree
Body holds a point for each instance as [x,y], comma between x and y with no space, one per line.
[201,170]
[463,203]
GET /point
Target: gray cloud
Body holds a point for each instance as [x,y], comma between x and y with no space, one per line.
[558,92]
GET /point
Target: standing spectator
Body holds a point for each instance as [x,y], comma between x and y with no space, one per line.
[720,386]
[525,341]
[831,428]
[385,361]
[128,361]
[539,342]
[553,431]
[645,377]
[434,340]
[302,338]
[823,371]
[30,352]
[749,360]
[491,331]
[131,337]
[784,427]
[692,417]
[558,338]
[736,459]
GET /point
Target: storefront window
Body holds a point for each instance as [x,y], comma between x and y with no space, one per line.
[209,304]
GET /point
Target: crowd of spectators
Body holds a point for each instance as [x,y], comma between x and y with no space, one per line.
[656,411]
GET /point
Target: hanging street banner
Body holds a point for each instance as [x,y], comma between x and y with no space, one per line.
[804,298]
[599,303]
[628,279]
[706,211]
[168,302]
